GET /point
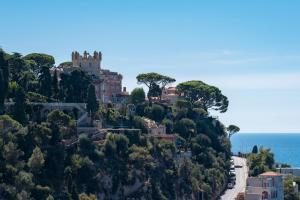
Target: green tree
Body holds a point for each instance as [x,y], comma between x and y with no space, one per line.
[36,97]
[4,77]
[36,160]
[65,64]
[92,103]
[261,162]
[2,92]
[198,113]
[12,154]
[12,89]
[289,191]
[41,59]
[155,82]
[137,96]
[169,125]
[62,126]
[183,104]
[232,129]
[84,196]
[55,89]
[154,91]
[45,81]
[26,80]
[157,113]
[23,195]
[186,128]
[20,106]
[16,66]
[208,96]
[255,149]
[74,86]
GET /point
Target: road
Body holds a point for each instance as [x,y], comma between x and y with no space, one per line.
[241,177]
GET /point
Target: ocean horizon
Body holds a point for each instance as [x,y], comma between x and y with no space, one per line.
[285,146]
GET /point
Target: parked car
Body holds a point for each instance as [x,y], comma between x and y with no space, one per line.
[232,167]
[232,173]
[232,180]
[230,185]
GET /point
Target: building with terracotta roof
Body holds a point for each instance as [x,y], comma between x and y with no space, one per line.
[170,95]
[267,186]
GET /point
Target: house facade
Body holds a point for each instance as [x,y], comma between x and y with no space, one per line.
[267,186]
[170,95]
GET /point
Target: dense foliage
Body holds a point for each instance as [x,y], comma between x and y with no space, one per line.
[209,97]
[261,161]
[47,159]
[289,190]
[155,82]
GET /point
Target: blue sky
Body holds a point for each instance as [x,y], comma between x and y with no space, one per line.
[250,50]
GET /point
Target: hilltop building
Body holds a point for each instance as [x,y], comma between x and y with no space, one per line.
[153,128]
[267,186]
[88,63]
[108,84]
[170,95]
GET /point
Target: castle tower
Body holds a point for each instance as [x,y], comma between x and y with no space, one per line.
[89,64]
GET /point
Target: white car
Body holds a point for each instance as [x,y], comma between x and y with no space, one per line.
[232,174]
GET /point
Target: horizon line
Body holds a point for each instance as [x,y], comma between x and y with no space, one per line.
[268,132]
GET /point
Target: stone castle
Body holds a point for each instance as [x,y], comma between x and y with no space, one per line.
[89,64]
[108,84]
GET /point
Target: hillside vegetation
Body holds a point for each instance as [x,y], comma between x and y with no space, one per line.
[36,164]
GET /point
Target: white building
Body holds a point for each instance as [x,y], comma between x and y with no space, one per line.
[170,95]
[267,186]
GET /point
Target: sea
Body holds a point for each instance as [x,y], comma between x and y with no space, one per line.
[285,146]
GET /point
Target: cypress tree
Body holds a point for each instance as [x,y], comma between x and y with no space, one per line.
[255,149]
[4,68]
[4,77]
[20,106]
[45,82]
[92,103]
[2,93]
[55,85]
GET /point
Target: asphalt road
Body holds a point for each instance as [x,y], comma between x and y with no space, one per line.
[241,177]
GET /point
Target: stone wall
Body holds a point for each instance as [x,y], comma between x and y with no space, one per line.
[88,63]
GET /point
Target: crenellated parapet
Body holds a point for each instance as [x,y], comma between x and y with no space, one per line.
[88,63]
[108,84]
[86,56]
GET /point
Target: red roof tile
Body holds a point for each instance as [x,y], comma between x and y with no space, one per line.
[270,174]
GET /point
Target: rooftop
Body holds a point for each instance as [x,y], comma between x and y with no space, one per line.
[270,174]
